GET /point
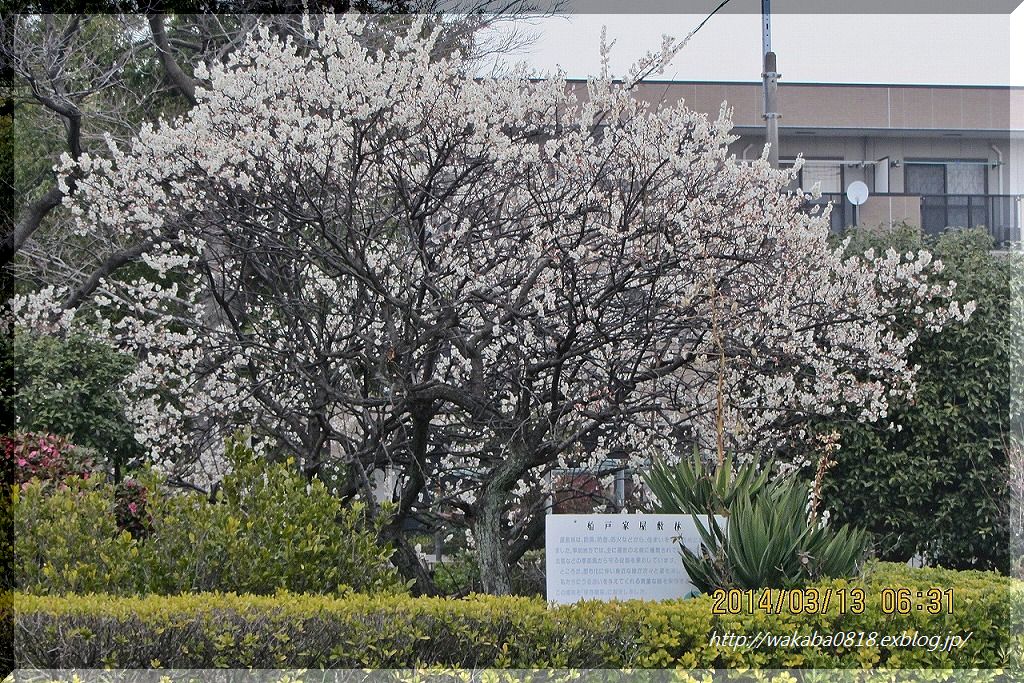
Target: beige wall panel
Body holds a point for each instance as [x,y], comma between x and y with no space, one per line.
[745,102]
[853,106]
[947,108]
[979,109]
[846,107]
[1016,115]
[917,109]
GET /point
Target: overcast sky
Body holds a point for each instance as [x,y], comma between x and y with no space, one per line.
[980,49]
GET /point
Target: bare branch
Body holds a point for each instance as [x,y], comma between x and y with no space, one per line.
[181,80]
[111,264]
[31,219]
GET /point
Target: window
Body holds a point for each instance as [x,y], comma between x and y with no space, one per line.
[952,193]
[828,173]
[926,179]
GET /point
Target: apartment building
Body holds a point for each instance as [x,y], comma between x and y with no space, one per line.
[932,155]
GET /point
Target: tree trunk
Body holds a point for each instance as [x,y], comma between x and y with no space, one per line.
[488,530]
[405,557]
[408,563]
[490,546]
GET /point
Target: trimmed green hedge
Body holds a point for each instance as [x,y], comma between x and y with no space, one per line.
[367,631]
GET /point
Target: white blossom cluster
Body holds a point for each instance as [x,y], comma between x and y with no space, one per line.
[379,258]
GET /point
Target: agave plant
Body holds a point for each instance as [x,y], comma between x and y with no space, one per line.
[770,540]
[692,488]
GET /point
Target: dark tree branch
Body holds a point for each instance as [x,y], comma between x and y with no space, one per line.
[179,78]
[30,222]
[112,263]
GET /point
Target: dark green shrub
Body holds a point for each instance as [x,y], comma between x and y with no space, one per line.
[393,632]
[70,386]
[458,572]
[269,529]
[938,486]
[130,508]
[771,542]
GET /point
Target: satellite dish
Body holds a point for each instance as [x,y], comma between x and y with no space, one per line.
[857,192]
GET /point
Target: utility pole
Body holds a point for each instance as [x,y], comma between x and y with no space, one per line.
[766,27]
[771,86]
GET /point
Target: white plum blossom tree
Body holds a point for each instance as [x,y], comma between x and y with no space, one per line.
[378,260]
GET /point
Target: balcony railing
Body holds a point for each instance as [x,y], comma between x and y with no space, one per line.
[1000,214]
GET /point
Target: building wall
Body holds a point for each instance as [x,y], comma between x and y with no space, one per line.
[1015,169]
[857,149]
[861,124]
[894,107]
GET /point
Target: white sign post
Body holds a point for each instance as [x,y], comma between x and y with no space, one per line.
[621,557]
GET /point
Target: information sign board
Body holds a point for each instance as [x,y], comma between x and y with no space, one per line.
[623,557]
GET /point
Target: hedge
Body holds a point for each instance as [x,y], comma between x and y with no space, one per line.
[369,631]
[267,529]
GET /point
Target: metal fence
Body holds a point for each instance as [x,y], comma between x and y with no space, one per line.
[1000,214]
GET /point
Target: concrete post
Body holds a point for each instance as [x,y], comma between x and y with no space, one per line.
[771,114]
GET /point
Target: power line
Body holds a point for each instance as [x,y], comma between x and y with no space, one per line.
[713,13]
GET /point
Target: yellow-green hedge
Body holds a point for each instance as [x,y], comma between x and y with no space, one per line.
[269,529]
[366,631]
